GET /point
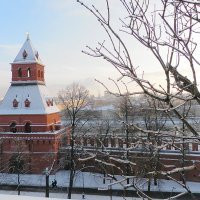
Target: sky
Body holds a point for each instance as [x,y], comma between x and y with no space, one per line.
[54,28]
[59,30]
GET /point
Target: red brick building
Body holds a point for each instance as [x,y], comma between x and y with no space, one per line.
[30,125]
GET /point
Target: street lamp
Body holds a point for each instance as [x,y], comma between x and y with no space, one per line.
[47,172]
[108,187]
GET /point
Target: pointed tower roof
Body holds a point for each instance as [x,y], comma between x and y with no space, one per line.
[27,54]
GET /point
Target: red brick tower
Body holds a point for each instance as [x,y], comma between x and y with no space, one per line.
[30,124]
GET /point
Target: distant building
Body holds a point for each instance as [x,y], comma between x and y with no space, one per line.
[30,125]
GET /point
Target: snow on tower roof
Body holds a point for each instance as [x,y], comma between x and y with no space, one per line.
[40,101]
[27,53]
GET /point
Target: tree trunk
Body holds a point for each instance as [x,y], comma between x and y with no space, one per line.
[71,178]
[71,181]
[149,184]
[47,185]
[18,184]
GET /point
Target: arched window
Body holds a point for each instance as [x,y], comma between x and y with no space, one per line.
[13,127]
[27,127]
[19,72]
[29,72]
[38,73]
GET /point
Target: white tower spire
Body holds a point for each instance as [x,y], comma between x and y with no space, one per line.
[27,54]
[27,36]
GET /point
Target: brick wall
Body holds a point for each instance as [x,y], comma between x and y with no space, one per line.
[38,151]
[36,72]
[39,123]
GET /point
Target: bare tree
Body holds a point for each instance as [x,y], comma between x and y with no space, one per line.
[75,99]
[170,32]
[125,112]
[179,22]
[153,118]
[19,161]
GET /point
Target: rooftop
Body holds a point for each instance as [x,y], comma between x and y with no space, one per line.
[27,54]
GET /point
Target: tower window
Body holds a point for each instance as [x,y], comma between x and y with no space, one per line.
[27,103]
[51,102]
[15,103]
[27,128]
[29,72]
[39,73]
[19,72]
[25,54]
[13,127]
[47,102]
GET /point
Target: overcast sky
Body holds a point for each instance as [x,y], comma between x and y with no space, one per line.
[59,30]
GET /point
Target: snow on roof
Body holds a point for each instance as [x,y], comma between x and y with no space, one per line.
[40,100]
[27,53]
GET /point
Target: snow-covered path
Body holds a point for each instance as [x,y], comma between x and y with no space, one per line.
[95,181]
[56,196]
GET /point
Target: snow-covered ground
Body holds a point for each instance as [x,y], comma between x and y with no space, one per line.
[12,195]
[90,180]
[83,180]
